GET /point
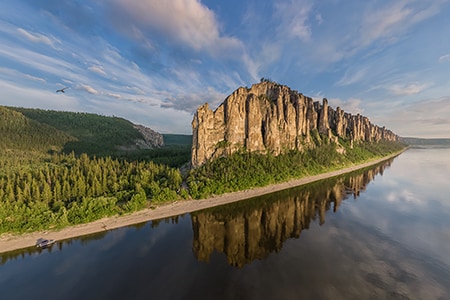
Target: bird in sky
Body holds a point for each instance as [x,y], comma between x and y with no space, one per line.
[62,90]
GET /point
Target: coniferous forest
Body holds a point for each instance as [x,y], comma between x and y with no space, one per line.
[59,169]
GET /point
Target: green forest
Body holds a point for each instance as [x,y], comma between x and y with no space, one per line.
[59,169]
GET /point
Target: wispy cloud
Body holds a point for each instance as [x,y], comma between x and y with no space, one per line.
[12,75]
[190,101]
[407,89]
[444,58]
[35,78]
[117,96]
[39,62]
[384,22]
[88,89]
[388,22]
[424,118]
[351,77]
[97,69]
[293,18]
[351,105]
[319,19]
[38,37]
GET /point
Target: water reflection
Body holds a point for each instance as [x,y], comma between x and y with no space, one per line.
[82,240]
[392,242]
[57,246]
[252,229]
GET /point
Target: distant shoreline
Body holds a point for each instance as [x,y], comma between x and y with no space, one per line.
[10,242]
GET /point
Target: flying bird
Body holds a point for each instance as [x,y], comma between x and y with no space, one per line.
[62,90]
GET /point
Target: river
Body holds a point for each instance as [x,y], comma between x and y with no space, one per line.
[378,233]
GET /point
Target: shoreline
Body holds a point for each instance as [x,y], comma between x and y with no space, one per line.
[9,242]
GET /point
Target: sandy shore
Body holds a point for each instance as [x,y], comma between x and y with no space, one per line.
[14,242]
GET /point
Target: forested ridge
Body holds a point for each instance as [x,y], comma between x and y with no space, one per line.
[42,186]
[92,133]
[20,132]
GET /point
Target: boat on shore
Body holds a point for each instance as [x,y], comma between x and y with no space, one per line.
[44,243]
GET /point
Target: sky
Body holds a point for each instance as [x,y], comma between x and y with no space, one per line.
[153,62]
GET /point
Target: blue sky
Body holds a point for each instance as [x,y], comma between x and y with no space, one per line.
[154,62]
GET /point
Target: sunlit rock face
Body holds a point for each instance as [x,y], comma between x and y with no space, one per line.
[245,232]
[272,118]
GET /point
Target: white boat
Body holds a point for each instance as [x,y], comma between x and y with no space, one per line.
[44,243]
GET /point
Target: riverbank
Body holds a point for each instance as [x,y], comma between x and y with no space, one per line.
[14,242]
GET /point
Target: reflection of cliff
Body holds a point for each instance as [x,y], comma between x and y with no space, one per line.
[252,229]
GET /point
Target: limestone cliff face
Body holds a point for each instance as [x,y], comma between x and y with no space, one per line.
[269,117]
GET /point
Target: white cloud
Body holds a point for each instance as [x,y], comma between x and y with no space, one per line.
[351,77]
[12,75]
[351,105]
[319,19]
[89,89]
[188,22]
[376,25]
[444,58]
[97,69]
[407,89]
[37,37]
[394,19]
[39,62]
[34,78]
[384,22]
[293,18]
[425,118]
[117,96]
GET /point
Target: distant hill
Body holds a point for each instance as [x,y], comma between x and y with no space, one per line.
[22,133]
[177,139]
[82,132]
[425,142]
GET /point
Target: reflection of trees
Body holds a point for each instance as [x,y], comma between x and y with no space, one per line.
[254,228]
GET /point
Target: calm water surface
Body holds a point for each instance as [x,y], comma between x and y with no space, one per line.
[380,233]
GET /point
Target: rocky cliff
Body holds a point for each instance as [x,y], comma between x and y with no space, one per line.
[270,117]
[151,138]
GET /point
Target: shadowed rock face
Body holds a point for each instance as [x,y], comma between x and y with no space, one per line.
[248,231]
[151,138]
[270,117]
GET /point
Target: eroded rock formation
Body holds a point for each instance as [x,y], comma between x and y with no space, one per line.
[270,117]
[151,138]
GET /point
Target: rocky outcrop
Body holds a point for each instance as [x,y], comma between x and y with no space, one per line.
[151,138]
[270,117]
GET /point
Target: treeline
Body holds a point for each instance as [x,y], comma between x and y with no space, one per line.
[69,190]
[172,156]
[53,191]
[244,170]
